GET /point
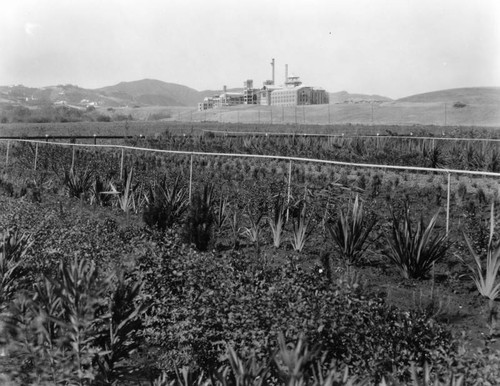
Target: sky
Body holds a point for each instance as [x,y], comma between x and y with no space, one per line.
[393,48]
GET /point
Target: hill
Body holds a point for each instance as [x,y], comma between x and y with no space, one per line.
[152,92]
[470,95]
[345,97]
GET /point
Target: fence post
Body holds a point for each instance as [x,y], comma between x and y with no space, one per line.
[448,204]
[190,177]
[73,158]
[289,189]
[7,154]
[121,164]
[36,155]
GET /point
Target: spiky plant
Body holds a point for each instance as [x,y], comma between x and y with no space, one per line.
[350,232]
[301,228]
[415,250]
[277,220]
[125,198]
[166,203]
[486,279]
[77,184]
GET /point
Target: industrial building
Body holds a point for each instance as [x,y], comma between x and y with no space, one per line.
[291,93]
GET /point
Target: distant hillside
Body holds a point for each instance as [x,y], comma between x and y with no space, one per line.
[152,92]
[345,97]
[471,95]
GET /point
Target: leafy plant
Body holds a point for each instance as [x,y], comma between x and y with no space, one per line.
[125,199]
[252,232]
[277,220]
[118,335]
[350,232]
[485,278]
[415,251]
[301,226]
[200,219]
[166,203]
[13,247]
[77,184]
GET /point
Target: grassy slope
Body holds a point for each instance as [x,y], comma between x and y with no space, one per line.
[389,113]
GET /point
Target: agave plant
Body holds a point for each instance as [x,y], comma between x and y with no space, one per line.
[77,184]
[415,251]
[165,204]
[486,278]
[350,232]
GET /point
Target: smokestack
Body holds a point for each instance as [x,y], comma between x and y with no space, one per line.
[224,88]
[272,65]
[286,73]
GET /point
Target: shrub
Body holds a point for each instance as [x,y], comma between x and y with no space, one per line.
[201,300]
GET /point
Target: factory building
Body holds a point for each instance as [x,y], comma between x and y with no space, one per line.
[291,93]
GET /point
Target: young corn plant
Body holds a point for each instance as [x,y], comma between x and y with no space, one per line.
[301,228]
[415,251]
[350,232]
[277,220]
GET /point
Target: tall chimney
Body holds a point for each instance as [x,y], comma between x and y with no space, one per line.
[286,73]
[224,88]
[272,65]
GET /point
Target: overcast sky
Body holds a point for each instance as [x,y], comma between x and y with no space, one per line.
[393,48]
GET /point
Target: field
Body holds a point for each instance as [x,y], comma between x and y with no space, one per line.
[121,267]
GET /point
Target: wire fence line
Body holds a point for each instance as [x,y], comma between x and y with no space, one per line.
[343,135]
[192,154]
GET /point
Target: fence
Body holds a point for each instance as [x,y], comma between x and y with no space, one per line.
[192,154]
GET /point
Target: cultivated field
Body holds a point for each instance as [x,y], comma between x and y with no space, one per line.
[125,265]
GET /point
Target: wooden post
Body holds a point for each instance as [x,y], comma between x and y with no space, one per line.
[289,189]
[121,164]
[73,158]
[448,204]
[190,178]
[7,154]
[36,155]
